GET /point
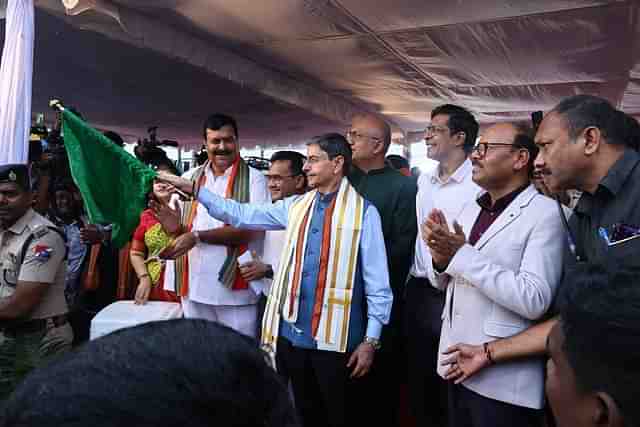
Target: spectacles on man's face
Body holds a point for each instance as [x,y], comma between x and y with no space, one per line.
[431,129]
[481,148]
[279,178]
[355,136]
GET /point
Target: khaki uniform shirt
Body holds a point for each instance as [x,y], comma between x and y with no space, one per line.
[43,262]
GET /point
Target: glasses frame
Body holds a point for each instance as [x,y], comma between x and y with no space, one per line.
[354,136]
[280,178]
[432,129]
[481,148]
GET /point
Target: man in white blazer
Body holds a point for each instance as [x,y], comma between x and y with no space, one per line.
[500,263]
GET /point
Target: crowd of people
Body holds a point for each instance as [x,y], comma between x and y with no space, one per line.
[377,297]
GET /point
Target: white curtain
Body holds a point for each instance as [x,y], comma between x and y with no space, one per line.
[16,73]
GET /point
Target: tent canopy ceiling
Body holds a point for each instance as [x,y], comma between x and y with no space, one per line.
[289,69]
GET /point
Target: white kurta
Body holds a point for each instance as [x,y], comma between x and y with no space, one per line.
[206,260]
[273,246]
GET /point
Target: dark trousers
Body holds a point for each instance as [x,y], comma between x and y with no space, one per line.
[427,390]
[381,387]
[469,409]
[320,382]
[261,306]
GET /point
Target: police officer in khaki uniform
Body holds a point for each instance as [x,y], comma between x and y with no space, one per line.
[33,322]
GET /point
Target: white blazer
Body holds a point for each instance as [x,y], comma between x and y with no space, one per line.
[499,287]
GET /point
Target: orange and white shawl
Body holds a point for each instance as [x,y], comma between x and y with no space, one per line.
[339,255]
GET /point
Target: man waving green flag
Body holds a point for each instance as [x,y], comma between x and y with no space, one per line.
[113,183]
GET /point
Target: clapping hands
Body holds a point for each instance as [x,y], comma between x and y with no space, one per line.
[441,241]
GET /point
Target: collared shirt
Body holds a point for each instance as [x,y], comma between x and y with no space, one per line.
[206,260]
[273,247]
[450,196]
[43,262]
[76,253]
[275,216]
[394,195]
[616,201]
[489,213]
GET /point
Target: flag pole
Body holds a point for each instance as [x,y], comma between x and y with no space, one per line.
[56,105]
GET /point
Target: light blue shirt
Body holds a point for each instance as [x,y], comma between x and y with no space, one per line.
[275,216]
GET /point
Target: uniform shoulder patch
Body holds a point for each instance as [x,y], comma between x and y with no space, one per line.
[42,252]
[40,231]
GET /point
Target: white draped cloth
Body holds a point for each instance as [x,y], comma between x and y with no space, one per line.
[16,73]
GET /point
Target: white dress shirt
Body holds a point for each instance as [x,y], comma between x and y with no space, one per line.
[273,246]
[372,254]
[450,196]
[205,260]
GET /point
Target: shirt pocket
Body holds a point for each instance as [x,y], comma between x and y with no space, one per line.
[627,252]
[499,329]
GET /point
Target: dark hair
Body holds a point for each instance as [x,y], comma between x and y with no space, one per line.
[217,121]
[397,162]
[525,139]
[159,373]
[164,163]
[67,187]
[600,318]
[114,137]
[296,160]
[632,132]
[334,145]
[582,111]
[460,120]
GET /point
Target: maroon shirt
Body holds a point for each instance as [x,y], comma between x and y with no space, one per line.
[489,213]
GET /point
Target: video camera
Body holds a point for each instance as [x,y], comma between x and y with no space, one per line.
[148,150]
[46,148]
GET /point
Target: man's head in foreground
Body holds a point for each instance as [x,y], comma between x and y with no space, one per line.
[173,373]
[594,369]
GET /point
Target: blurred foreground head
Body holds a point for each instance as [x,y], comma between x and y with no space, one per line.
[173,373]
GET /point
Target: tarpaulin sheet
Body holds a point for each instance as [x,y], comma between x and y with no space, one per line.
[502,59]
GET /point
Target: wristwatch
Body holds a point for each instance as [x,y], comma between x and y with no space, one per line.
[269,273]
[374,342]
[196,235]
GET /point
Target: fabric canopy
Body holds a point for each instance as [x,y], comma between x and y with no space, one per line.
[331,59]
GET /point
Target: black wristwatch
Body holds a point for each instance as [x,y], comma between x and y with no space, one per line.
[269,273]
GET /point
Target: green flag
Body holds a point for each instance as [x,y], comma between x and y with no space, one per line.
[113,183]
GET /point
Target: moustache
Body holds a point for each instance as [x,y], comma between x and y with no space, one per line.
[221,152]
[540,173]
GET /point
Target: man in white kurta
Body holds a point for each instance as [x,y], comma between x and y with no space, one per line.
[208,240]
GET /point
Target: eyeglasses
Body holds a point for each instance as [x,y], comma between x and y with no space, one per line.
[280,178]
[223,140]
[481,148]
[436,129]
[354,136]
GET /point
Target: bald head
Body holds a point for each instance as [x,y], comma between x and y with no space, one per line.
[374,122]
[369,137]
[519,134]
[501,132]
